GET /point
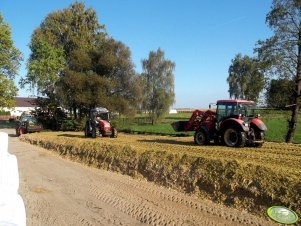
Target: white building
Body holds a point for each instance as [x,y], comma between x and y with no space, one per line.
[23,104]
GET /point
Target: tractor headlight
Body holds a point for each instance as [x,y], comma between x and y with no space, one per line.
[246,124]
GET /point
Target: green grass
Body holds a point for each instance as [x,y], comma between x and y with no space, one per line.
[276,122]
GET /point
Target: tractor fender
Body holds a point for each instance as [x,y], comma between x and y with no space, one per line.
[257,123]
[233,122]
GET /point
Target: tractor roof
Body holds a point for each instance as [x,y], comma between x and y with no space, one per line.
[236,101]
[100,110]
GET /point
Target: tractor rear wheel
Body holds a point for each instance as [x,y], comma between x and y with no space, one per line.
[234,138]
[200,138]
[114,133]
[87,130]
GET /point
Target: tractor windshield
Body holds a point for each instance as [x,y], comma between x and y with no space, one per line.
[233,109]
[102,116]
[246,109]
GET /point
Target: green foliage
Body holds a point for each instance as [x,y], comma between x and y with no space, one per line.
[44,66]
[7,92]
[282,52]
[10,58]
[68,125]
[245,78]
[279,93]
[77,66]
[4,112]
[158,84]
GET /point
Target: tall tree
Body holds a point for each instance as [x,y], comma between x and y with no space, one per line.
[76,64]
[245,78]
[104,76]
[10,58]
[283,50]
[60,33]
[44,67]
[279,93]
[158,84]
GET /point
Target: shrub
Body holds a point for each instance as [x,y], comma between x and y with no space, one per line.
[68,125]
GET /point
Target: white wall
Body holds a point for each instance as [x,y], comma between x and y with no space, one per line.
[12,210]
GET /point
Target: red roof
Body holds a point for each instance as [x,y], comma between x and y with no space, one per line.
[25,102]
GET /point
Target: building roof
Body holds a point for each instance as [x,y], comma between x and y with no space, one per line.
[25,102]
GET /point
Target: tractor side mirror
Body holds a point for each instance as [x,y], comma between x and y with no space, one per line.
[209,106]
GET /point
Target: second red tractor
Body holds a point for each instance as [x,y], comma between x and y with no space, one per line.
[233,124]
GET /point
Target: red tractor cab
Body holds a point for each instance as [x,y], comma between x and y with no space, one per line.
[99,124]
[234,124]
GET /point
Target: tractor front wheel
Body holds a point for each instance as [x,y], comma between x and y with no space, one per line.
[200,138]
[93,132]
[21,131]
[234,138]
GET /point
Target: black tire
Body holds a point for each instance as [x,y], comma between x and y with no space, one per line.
[87,130]
[200,138]
[234,138]
[93,132]
[259,136]
[114,133]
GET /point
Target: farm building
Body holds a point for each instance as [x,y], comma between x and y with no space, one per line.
[23,104]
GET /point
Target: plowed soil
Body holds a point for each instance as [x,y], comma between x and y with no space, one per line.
[57,191]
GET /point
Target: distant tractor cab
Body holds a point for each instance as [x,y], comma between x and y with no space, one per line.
[234,124]
[28,124]
[99,124]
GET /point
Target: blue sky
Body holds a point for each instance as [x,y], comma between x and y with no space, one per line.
[200,36]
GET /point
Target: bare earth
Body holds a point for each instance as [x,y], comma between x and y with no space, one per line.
[57,191]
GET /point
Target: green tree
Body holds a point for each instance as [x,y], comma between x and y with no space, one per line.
[158,84]
[245,78]
[104,76]
[44,67]
[112,59]
[8,91]
[10,58]
[283,51]
[54,41]
[279,93]
[76,64]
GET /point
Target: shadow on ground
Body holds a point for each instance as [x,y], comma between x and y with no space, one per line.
[165,141]
[71,135]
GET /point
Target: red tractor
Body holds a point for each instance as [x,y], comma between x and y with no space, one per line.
[99,124]
[234,124]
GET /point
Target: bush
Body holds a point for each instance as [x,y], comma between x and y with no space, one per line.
[4,112]
[68,125]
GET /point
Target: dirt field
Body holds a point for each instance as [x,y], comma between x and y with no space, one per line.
[57,191]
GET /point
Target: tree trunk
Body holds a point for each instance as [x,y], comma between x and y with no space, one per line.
[74,113]
[297,98]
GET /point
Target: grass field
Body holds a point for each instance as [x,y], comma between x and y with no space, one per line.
[251,178]
[276,121]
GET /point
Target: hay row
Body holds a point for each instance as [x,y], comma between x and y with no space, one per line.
[231,182]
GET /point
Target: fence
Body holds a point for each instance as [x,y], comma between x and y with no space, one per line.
[12,210]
